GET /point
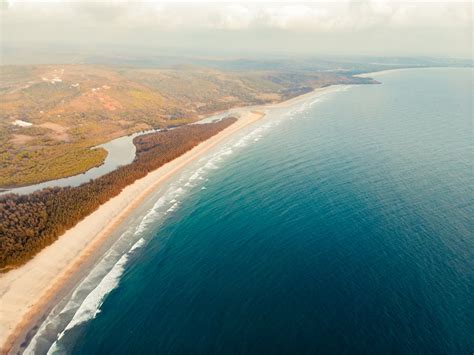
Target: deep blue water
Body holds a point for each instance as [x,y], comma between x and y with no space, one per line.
[347,229]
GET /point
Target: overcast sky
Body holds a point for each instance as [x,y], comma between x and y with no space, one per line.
[369,27]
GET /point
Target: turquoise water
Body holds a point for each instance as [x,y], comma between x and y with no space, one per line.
[344,226]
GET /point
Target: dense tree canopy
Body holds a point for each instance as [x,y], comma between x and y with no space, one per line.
[28,223]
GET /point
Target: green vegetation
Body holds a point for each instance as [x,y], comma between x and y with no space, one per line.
[28,167]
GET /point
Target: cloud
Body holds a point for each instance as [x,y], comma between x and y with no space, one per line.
[342,16]
[336,15]
[108,20]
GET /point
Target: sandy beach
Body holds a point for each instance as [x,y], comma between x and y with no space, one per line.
[388,71]
[27,290]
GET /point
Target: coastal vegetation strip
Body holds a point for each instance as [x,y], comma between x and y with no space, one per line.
[25,169]
[28,223]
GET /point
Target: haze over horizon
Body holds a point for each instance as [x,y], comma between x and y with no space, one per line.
[370,27]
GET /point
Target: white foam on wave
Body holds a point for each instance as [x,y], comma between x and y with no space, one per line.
[76,299]
[173,207]
[90,307]
[194,176]
[138,244]
[150,216]
[318,98]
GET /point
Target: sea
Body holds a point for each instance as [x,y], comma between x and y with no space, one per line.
[342,223]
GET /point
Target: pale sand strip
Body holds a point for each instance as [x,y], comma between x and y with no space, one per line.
[377,73]
[389,71]
[26,291]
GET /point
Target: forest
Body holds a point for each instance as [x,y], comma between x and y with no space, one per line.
[30,222]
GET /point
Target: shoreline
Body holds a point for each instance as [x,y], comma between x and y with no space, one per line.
[27,292]
[388,71]
[381,72]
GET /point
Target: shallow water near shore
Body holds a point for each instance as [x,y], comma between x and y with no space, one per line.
[343,223]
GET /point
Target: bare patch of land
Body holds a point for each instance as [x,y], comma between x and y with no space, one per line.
[20,139]
[59,132]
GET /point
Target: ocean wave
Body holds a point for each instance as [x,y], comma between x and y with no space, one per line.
[65,312]
[90,307]
[141,242]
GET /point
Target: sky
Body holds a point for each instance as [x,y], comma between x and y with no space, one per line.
[338,27]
